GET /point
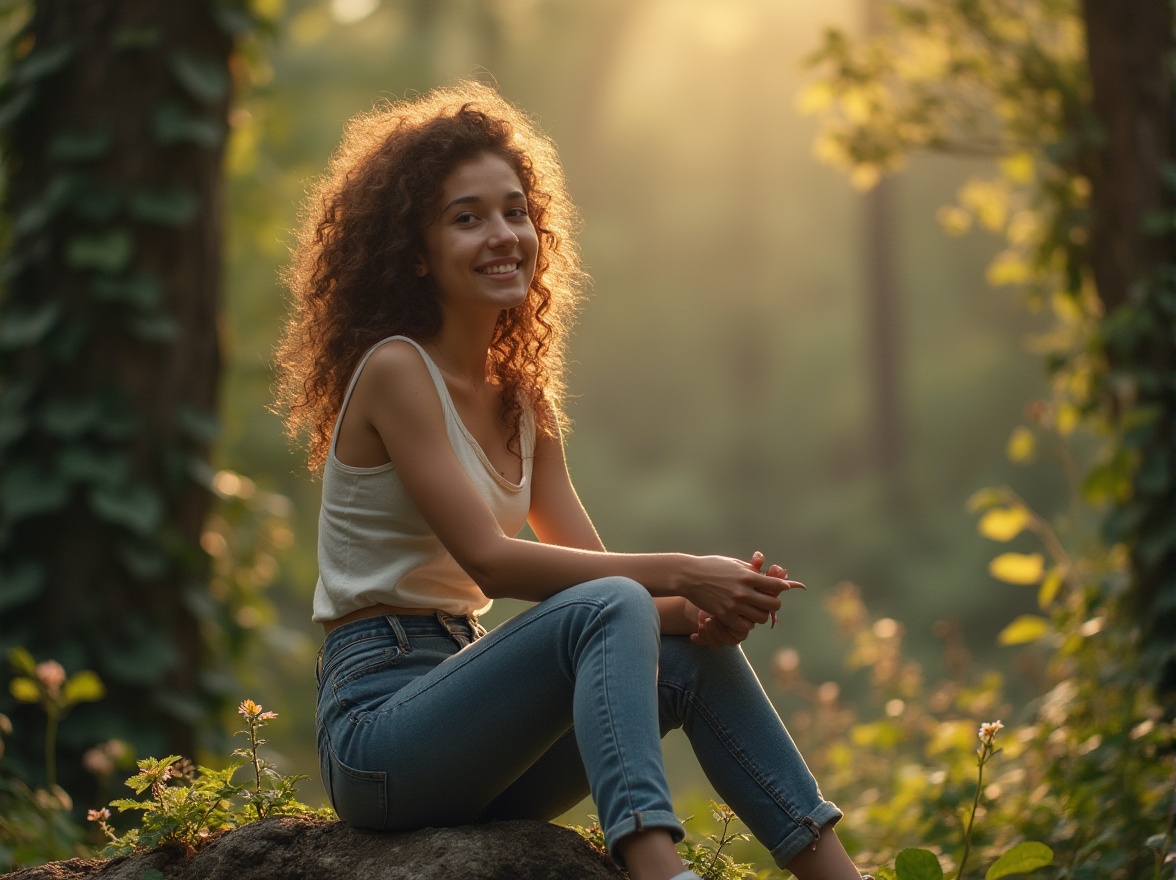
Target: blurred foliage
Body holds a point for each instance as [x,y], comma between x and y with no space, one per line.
[1010,80]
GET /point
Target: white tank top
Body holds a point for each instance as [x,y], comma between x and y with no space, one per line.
[373,544]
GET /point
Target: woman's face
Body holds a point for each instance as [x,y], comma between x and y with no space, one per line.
[480,249]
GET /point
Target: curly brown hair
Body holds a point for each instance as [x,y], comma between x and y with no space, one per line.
[353,269]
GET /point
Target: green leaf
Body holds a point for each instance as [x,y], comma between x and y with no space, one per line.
[146,561]
[1049,588]
[1026,628]
[20,583]
[154,328]
[204,78]
[985,498]
[79,146]
[82,687]
[1021,859]
[171,124]
[108,251]
[25,690]
[95,202]
[29,326]
[135,506]
[917,864]
[22,660]
[40,210]
[166,207]
[14,108]
[41,63]
[30,490]
[199,425]
[137,37]
[67,418]
[85,464]
[139,291]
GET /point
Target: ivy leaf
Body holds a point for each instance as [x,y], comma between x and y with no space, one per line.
[84,464]
[79,146]
[13,109]
[1026,628]
[94,201]
[1018,568]
[171,124]
[1021,859]
[137,37]
[166,207]
[204,78]
[41,63]
[146,561]
[135,506]
[917,864]
[29,326]
[139,291]
[29,490]
[154,328]
[108,252]
[200,425]
[20,583]
[64,417]
[34,215]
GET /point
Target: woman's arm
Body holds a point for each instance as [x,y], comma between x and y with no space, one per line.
[558,517]
[396,397]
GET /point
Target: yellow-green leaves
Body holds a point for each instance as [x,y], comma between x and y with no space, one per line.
[1021,859]
[1021,445]
[1026,628]
[1018,568]
[1003,523]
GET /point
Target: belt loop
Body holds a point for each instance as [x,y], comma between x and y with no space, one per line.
[318,665]
[398,631]
[478,629]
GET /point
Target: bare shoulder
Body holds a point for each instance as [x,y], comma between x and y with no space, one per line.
[396,381]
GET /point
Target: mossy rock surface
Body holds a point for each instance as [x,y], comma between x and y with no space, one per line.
[296,848]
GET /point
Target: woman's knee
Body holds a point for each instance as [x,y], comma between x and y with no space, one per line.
[616,591]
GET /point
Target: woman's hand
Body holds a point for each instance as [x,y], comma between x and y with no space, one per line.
[735,592]
[715,632]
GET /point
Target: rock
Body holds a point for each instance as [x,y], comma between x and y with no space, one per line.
[301,848]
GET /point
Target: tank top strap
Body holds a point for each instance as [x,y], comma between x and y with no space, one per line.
[434,372]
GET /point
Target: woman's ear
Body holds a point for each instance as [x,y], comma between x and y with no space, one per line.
[421,269]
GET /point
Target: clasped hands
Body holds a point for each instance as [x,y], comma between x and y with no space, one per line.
[728,619]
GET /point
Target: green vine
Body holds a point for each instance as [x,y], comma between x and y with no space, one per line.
[99,480]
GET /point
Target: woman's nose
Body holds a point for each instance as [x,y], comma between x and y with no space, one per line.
[501,233]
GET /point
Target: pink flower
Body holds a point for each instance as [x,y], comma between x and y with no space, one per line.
[98,815]
[51,674]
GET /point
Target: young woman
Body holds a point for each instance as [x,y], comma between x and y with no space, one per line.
[434,278]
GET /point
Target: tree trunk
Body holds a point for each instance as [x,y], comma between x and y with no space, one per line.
[1133,256]
[115,115]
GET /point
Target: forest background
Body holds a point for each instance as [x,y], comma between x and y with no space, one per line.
[769,358]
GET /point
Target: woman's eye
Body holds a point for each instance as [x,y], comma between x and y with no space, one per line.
[465,218]
[517,212]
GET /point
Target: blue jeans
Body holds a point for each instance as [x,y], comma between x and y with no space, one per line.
[422,723]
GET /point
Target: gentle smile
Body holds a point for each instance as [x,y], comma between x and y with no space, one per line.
[500,269]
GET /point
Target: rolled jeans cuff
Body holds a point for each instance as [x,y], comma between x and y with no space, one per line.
[805,834]
[643,820]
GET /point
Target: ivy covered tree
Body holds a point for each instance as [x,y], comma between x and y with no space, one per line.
[113,115]
[1073,102]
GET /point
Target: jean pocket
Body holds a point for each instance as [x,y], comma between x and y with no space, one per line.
[360,797]
[362,682]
